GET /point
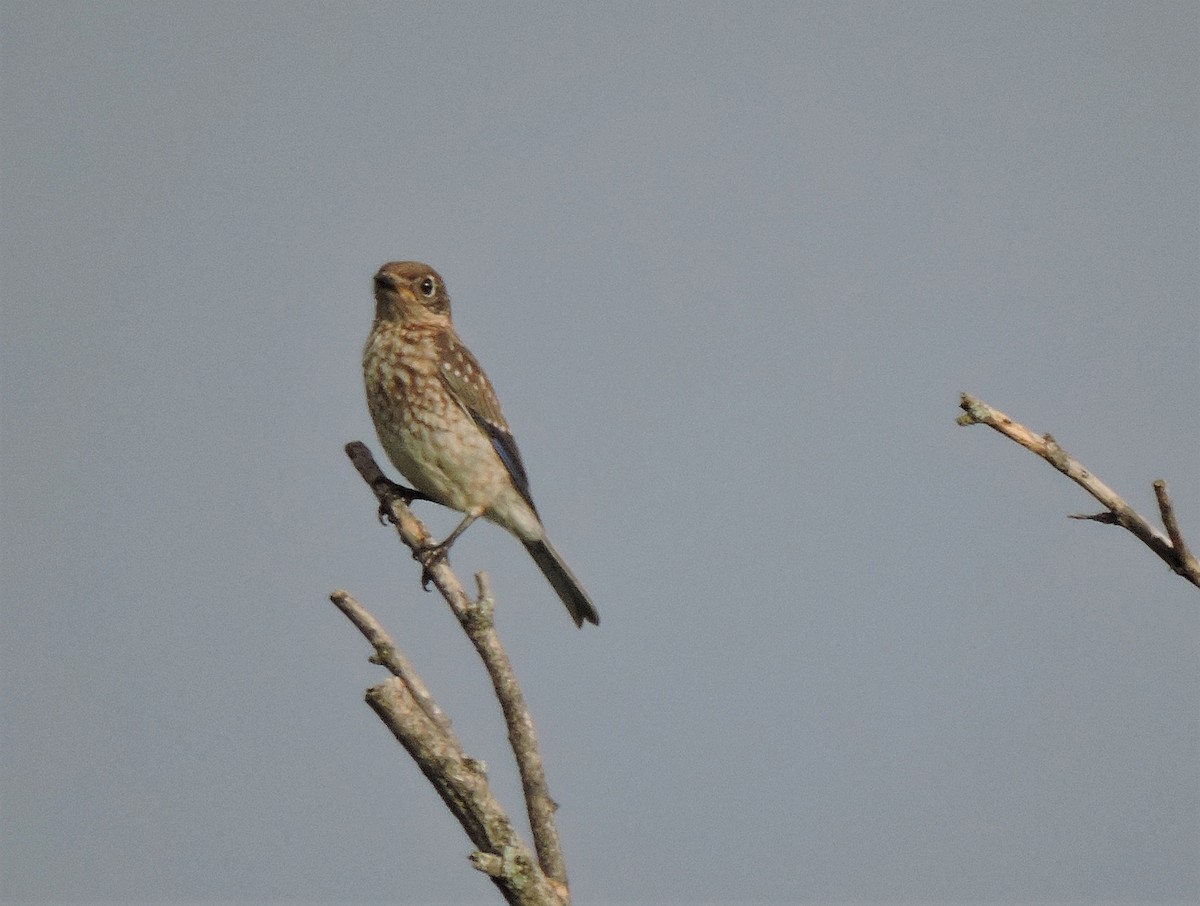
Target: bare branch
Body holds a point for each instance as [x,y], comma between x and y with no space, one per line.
[389,656]
[1171,549]
[521,734]
[475,616]
[463,786]
[410,530]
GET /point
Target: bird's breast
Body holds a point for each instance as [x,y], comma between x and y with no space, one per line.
[424,431]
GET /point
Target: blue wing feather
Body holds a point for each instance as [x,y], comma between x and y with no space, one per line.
[505,446]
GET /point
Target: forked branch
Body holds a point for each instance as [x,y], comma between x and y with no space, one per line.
[1170,547]
[408,709]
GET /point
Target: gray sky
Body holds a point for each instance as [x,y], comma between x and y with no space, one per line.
[729,267]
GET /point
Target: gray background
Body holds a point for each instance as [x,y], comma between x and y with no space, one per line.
[729,268]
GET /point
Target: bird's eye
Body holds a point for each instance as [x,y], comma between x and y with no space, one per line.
[428,287]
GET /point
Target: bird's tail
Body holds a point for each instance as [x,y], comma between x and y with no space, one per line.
[564,582]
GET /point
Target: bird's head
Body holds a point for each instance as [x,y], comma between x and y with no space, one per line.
[409,292]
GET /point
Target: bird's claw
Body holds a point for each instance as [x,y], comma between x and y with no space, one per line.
[429,556]
[392,491]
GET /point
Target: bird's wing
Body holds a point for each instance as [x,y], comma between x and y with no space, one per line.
[473,392]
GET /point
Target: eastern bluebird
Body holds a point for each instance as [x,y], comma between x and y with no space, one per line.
[440,423]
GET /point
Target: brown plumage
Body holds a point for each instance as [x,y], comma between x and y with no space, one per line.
[440,423]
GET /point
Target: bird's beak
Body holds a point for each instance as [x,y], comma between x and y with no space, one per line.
[385,281]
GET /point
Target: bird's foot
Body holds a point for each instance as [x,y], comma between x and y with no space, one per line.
[429,555]
[391,492]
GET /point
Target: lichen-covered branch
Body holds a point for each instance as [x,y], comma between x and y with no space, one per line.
[1170,547]
[463,786]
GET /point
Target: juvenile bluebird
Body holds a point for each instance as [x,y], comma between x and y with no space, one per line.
[440,423]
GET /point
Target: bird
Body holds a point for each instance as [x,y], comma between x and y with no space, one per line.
[440,423]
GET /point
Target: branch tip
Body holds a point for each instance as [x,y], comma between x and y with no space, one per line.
[490,864]
[1107,517]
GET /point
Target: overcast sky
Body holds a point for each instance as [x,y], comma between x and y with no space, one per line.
[729,268]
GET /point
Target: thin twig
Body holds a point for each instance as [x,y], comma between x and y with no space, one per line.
[1170,547]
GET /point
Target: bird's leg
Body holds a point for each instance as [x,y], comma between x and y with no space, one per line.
[432,553]
[394,491]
